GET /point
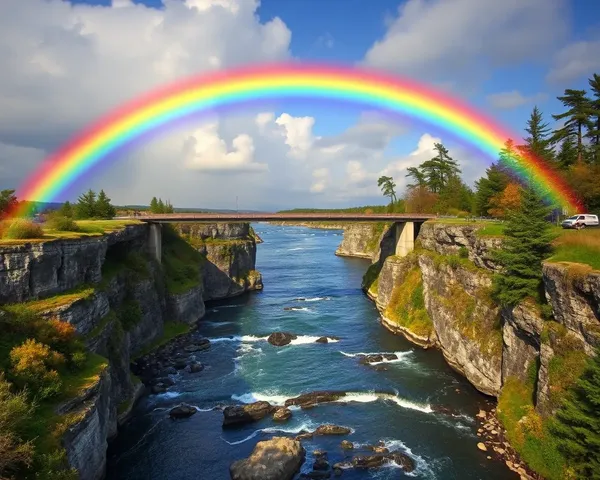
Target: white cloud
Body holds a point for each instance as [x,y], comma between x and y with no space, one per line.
[298,133]
[321,177]
[574,61]
[206,151]
[441,40]
[513,99]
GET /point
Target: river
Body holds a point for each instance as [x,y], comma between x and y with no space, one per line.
[299,263]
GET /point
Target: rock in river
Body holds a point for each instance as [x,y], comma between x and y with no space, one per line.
[279,339]
[241,414]
[182,411]
[311,399]
[282,414]
[329,429]
[377,357]
[277,459]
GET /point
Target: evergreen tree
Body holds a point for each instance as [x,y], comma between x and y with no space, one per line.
[418,176]
[455,195]
[387,186]
[489,187]
[154,205]
[86,205]
[161,206]
[169,207]
[528,243]
[594,131]
[577,118]
[103,207]
[538,141]
[567,155]
[439,169]
[577,425]
[66,210]
[8,201]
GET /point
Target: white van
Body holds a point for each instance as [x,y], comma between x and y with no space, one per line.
[580,221]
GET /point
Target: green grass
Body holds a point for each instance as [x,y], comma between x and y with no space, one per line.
[87,228]
[407,305]
[79,293]
[171,330]
[492,229]
[527,432]
[181,263]
[377,230]
[578,246]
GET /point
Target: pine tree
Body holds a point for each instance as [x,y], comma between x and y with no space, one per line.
[8,201]
[387,186]
[86,205]
[154,205]
[577,119]
[567,155]
[66,210]
[528,243]
[538,141]
[439,169]
[169,207]
[161,206]
[418,176]
[577,425]
[594,131]
[488,187]
[103,207]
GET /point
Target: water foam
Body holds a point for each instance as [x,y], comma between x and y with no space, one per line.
[297,430]
[312,299]
[421,465]
[238,338]
[273,399]
[402,356]
[304,339]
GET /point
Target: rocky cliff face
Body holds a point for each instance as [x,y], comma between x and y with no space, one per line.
[116,298]
[362,240]
[487,345]
[230,251]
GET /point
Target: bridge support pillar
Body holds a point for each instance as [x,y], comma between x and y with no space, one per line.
[155,241]
[405,238]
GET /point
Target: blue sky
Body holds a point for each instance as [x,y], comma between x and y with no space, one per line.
[72,63]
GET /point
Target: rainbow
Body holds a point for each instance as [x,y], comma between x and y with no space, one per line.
[216,92]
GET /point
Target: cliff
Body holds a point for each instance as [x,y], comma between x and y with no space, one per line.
[527,356]
[453,267]
[121,302]
[230,251]
[362,240]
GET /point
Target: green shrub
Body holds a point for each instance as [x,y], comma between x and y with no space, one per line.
[463,252]
[62,224]
[23,229]
[130,313]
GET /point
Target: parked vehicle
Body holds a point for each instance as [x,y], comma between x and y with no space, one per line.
[580,221]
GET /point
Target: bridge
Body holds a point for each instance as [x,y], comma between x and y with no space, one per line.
[406,225]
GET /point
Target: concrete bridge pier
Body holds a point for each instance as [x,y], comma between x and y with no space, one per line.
[406,233]
[155,241]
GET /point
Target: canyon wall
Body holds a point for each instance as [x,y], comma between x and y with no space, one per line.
[119,300]
[440,296]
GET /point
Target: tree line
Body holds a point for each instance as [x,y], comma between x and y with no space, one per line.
[572,150]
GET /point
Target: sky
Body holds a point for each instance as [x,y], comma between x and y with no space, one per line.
[66,63]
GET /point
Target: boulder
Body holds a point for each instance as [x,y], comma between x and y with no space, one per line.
[403,460]
[321,464]
[240,414]
[279,458]
[196,367]
[368,461]
[329,429]
[346,445]
[282,414]
[311,399]
[322,340]
[304,435]
[376,358]
[279,339]
[182,411]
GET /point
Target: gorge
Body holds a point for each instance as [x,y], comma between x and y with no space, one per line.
[423,392]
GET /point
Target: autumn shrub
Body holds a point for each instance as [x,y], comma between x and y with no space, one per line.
[60,336]
[23,229]
[15,410]
[35,365]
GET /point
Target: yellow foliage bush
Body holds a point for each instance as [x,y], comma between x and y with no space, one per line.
[35,364]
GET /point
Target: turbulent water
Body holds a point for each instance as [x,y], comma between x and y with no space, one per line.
[300,270]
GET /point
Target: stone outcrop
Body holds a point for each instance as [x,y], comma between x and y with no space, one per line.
[277,459]
[363,240]
[230,251]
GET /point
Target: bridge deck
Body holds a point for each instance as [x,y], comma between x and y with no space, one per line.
[280,217]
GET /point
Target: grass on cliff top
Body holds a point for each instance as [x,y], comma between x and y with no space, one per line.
[181,263]
[87,228]
[66,298]
[578,246]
